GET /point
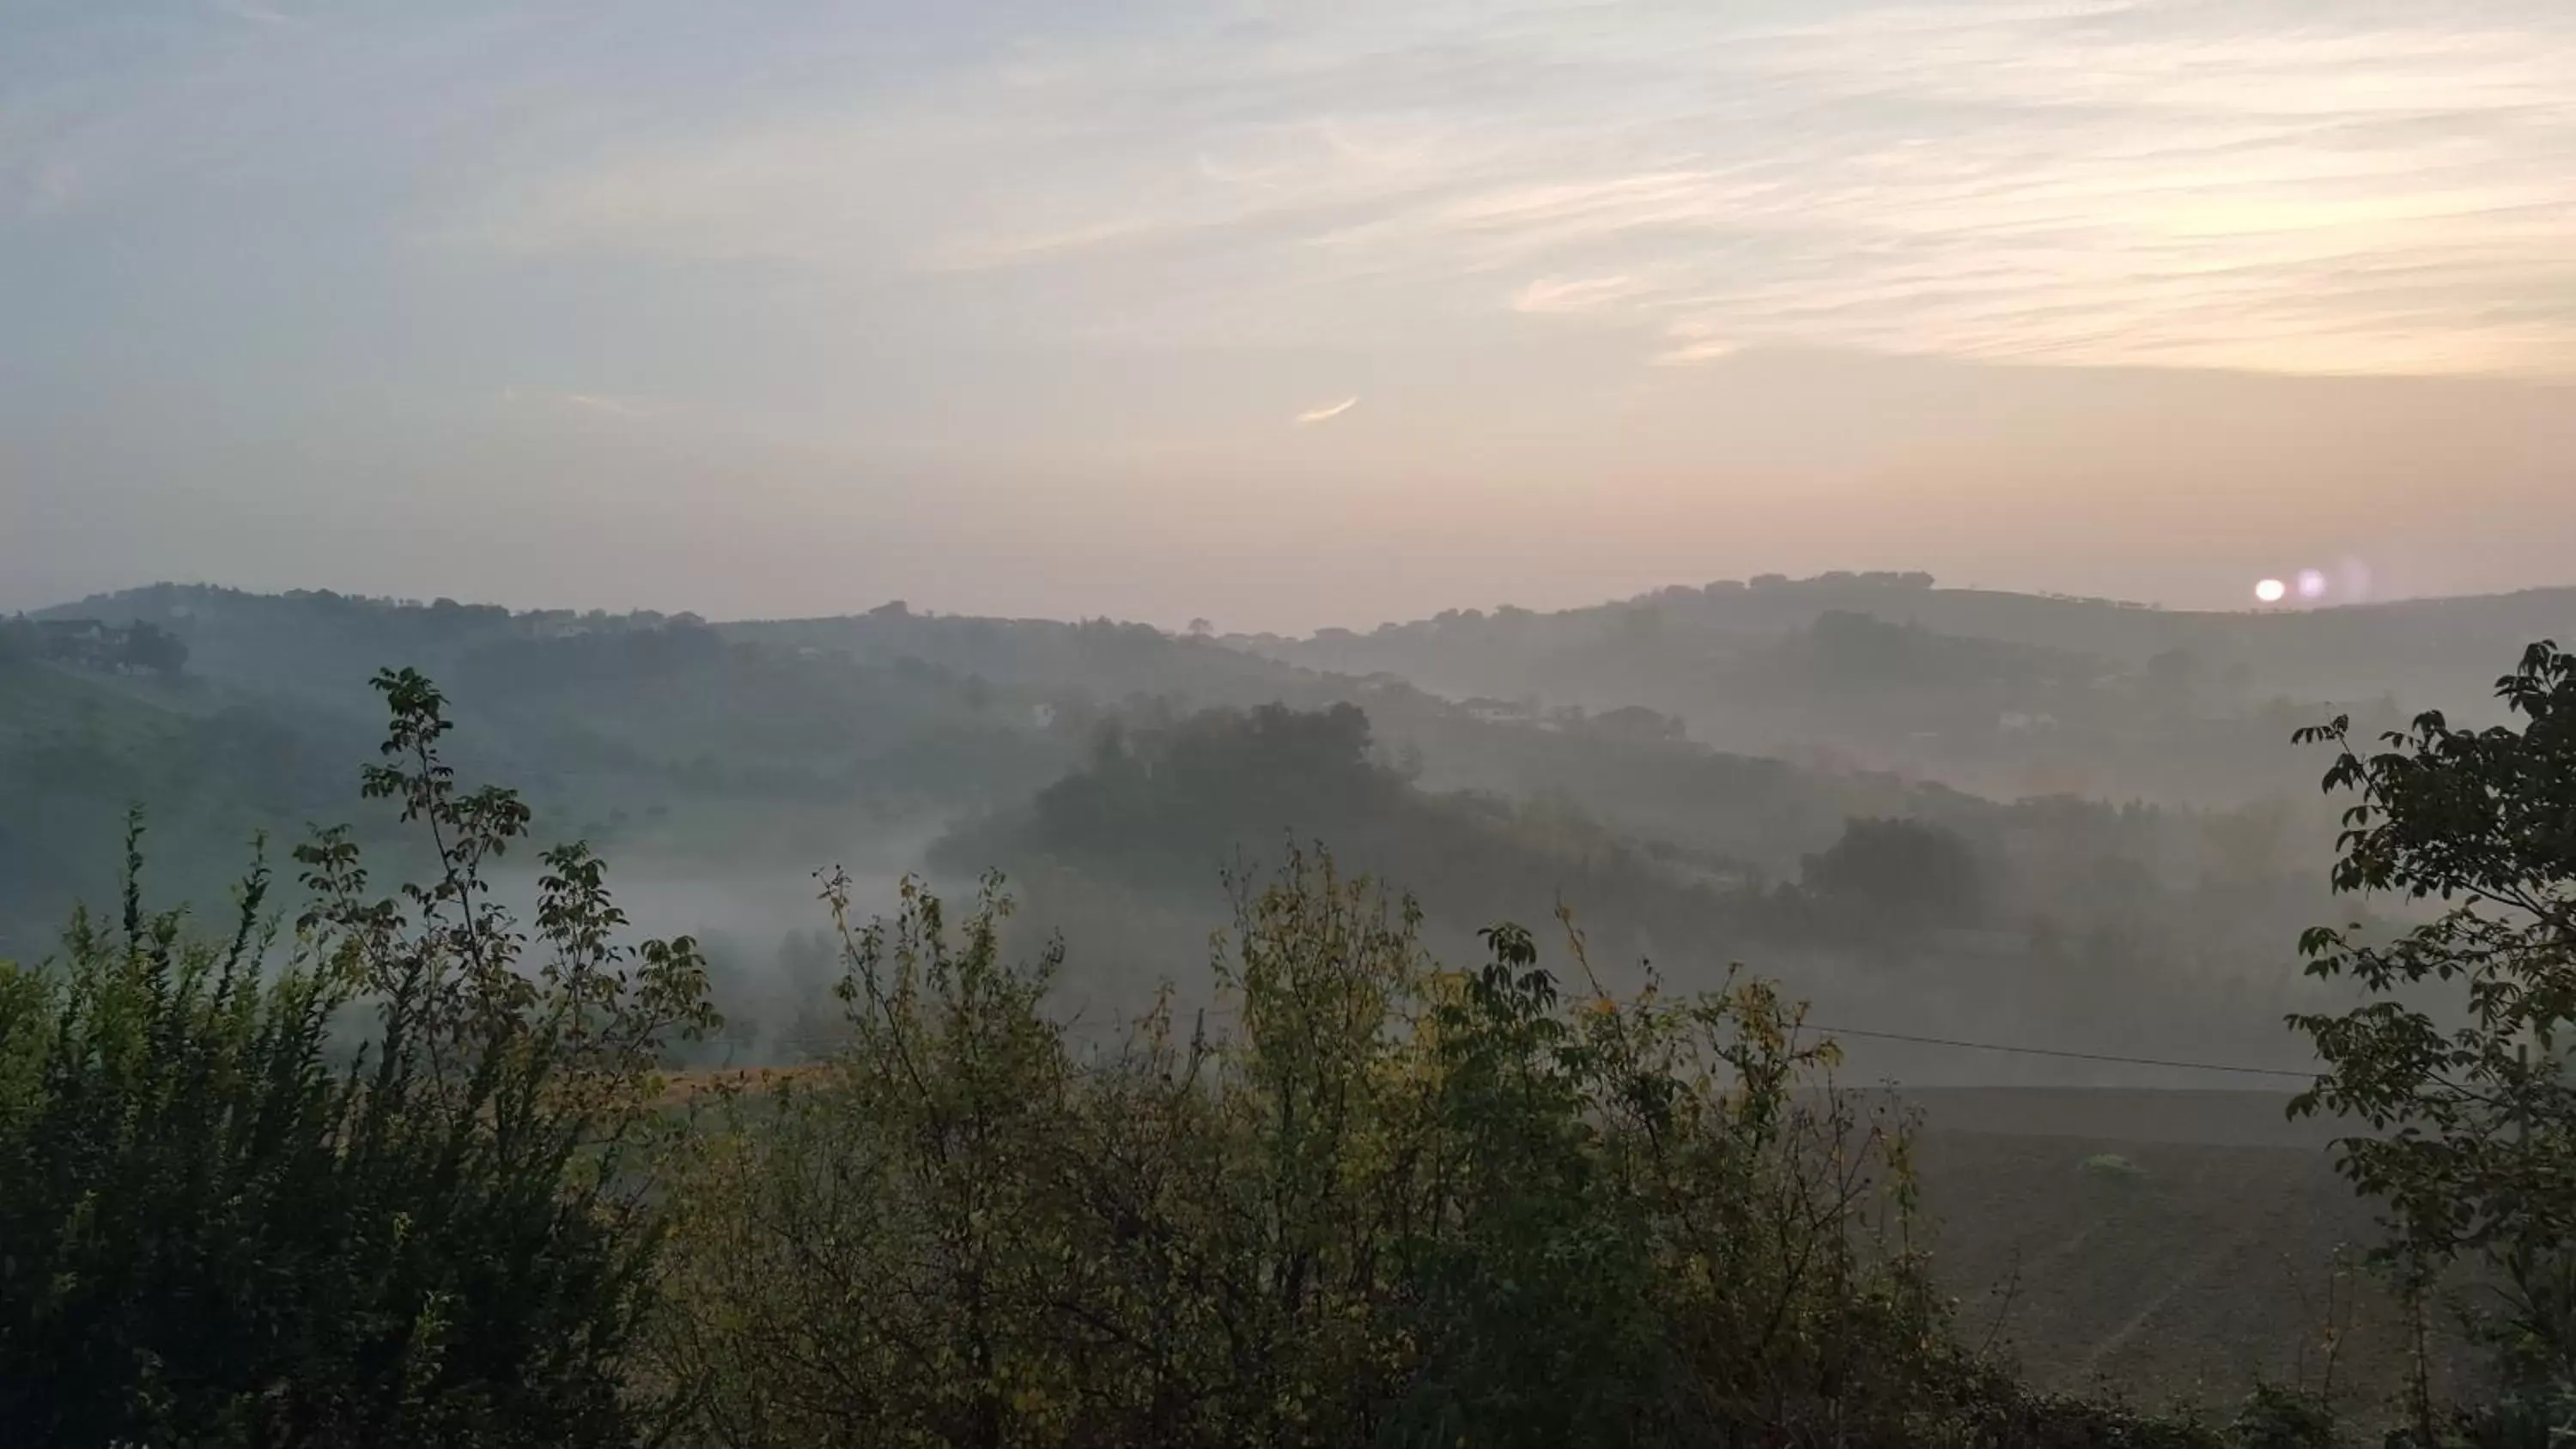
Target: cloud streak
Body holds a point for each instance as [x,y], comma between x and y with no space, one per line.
[589,402]
[250,10]
[1585,294]
[1327,412]
[2275,185]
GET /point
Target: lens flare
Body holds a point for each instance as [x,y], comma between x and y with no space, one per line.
[2312,584]
[2271,591]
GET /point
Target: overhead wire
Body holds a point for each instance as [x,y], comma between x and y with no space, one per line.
[2032,1051]
[1954,1043]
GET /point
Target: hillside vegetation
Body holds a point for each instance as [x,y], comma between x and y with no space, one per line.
[1116,771]
[1997,692]
[407,1173]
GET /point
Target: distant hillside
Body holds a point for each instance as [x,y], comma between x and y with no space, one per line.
[612,723]
[1115,769]
[2056,919]
[1624,768]
[2004,694]
[597,710]
[655,738]
[619,726]
[77,749]
[2347,650]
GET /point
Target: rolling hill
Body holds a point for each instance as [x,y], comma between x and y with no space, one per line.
[2002,694]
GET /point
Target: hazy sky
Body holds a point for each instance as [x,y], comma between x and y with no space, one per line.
[1284,314]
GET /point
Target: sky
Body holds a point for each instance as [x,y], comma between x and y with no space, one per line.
[1282,314]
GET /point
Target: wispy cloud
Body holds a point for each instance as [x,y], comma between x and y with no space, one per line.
[615,406]
[1328,411]
[1554,294]
[2277,185]
[250,10]
[1704,349]
[589,402]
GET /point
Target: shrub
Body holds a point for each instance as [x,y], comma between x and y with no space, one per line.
[221,1228]
[1393,1203]
[2273,1417]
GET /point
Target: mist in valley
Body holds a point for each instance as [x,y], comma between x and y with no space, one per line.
[1818,789]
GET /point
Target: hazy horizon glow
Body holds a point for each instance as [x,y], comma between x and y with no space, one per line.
[1071,308]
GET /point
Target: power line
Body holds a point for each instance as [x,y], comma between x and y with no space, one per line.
[2031,1051]
[1097,1028]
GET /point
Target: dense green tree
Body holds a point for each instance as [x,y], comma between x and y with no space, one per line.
[1903,873]
[149,648]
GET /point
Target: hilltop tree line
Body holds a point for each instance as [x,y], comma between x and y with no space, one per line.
[140,647]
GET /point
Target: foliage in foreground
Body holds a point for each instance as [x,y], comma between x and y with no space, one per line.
[1391,1204]
[1386,1203]
[223,1227]
[2470,1091]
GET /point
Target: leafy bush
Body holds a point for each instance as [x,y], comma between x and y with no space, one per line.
[223,1226]
[2274,1417]
[2470,1101]
[1392,1203]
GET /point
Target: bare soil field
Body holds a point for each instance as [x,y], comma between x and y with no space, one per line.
[2209,1265]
